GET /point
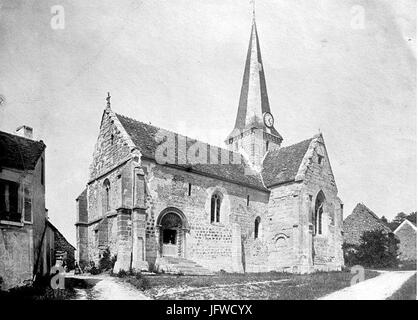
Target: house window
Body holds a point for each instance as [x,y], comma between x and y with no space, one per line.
[248,200]
[215,208]
[256,227]
[190,189]
[42,171]
[9,201]
[319,209]
[106,196]
[320,159]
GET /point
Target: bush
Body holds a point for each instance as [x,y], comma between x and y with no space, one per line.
[377,249]
[140,282]
[106,263]
[122,274]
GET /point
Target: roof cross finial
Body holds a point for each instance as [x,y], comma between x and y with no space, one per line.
[253,3]
[108,99]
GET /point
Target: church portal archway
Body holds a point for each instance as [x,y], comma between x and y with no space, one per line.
[172,225]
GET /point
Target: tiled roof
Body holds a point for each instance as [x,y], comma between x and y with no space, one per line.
[19,153]
[282,165]
[144,137]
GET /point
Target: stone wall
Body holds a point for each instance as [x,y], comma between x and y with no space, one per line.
[274,248]
[111,147]
[325,248]
[407,236]
[209,244]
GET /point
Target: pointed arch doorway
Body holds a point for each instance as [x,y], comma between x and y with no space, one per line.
[173,227]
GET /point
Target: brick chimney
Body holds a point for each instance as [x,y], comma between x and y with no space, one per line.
[25,131]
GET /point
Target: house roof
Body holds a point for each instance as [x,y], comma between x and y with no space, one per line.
[282,165]
[82,194]
[406,221]
[49,223]
[18,152]
[360,220]
[144,136]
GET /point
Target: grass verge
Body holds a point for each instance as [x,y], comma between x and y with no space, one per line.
[408,291]
[259,286]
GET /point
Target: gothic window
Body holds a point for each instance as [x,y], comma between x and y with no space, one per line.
[320,159]
[106,196]
[256,227]
[267,146]
[215,207]
[190,189]
[112,139]
[248,200]
[318,213]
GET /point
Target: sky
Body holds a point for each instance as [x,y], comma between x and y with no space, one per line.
[345,68]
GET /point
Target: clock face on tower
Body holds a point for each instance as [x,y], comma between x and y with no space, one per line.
[268,119]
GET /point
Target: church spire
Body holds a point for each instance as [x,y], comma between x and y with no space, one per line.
[254,115]
[253,102]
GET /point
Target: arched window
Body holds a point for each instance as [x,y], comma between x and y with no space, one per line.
[319,209]
[106,196]
[215,207]
[256,227]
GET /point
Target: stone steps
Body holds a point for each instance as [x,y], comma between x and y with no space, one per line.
[178,265]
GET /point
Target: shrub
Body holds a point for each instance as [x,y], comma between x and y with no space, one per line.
[122,274]
[140,282]
[106,262]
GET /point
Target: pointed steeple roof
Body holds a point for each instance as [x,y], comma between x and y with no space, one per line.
[253,100]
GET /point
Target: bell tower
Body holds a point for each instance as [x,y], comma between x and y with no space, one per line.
[254,132]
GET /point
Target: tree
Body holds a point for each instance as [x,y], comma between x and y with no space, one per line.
[412,217]
[384,220]
[377,249]
[399,217]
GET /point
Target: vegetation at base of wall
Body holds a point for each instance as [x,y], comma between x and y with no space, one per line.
[139,281]
[408,291]
[134,278]
[377,249]
[106,263]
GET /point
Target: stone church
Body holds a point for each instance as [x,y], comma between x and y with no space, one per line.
[161,201]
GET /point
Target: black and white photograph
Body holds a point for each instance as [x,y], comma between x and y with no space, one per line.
[221,150]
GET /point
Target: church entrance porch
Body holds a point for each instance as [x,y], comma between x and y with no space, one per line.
[172,227]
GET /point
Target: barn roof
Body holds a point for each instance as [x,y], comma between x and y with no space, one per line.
[18,152]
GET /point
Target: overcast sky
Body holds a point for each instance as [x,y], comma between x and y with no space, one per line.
[179,65]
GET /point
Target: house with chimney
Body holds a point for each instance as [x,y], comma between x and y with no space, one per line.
[24,247]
